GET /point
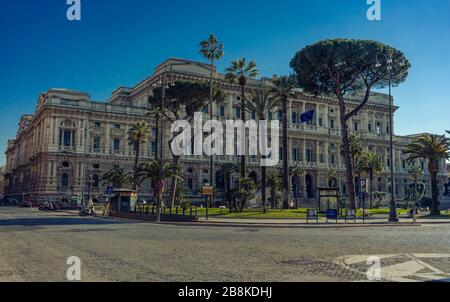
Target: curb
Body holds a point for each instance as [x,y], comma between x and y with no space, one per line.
[290,226]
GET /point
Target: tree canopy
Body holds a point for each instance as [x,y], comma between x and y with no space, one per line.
[344,67]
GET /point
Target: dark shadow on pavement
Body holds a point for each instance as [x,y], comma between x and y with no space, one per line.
[31,222]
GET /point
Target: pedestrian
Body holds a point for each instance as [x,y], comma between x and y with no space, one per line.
[106,210]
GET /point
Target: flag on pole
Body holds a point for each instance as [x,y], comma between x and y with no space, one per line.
[307,116]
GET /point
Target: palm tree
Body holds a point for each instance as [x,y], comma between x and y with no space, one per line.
[356,149]
[155,111]
[138,134]
[211,49]
[331,177]
[228,170]
[241,72]
[158,173]
[415,173]
[297,171]
[274,183]
[283,89]
[433,148]
[118,177]
[371,164]
[263,103]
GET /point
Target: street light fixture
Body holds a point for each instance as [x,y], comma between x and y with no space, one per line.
[393,217]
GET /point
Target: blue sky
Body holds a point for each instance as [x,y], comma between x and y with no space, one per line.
[119,42]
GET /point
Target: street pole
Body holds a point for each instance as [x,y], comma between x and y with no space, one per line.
[89,187]
[393,217]
[211,176]
[160,188]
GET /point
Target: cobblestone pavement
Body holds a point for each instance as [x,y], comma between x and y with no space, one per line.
[35,247]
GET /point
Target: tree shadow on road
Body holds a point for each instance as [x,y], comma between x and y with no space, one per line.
[31,222]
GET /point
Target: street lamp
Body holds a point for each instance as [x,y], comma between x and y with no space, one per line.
[393,217]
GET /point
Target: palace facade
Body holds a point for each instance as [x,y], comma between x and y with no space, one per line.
[62,150]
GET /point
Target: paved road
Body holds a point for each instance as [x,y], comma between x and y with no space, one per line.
[34,246]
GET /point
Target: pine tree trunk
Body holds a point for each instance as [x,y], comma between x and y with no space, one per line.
[347,155]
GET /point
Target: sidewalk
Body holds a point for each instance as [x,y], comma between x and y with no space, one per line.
[377,221]
[301,223]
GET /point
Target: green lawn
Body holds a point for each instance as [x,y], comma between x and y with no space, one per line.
[276,214]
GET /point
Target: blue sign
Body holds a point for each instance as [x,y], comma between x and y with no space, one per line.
[109,190]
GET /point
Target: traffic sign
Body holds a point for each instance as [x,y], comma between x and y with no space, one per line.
[363,186]
[207,190]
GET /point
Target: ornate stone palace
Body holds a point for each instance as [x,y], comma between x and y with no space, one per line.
[64,148]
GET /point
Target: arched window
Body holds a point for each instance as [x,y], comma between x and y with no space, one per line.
[65,180]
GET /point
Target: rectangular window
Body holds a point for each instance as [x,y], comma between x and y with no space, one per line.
[153,147]
[96,143]
[116,144]
[320,122]
[294,154]
[254,115]
[321,157]
[309,155]
[238,112]
[333,161]
[206,109]
[294,118]
[378,128]
[332,124]
[270,116]
[116,126]
[222,111]
[281,153]
[67,138]
[369,127]
[355,127]
[97,124]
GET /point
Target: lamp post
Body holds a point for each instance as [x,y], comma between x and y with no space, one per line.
[86,156]
[393,217]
